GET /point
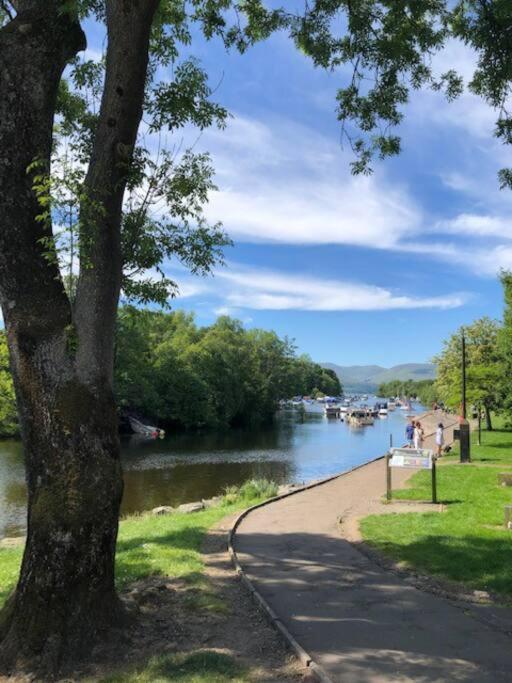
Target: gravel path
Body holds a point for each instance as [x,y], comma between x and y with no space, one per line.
[360,622]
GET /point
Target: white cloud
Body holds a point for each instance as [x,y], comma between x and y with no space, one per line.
[238,288]
[283,182]
[478,225]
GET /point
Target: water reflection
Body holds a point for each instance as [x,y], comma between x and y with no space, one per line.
[186,467]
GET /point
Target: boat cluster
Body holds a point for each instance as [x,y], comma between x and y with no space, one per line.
[351,409]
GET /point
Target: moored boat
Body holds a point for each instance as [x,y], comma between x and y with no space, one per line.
[360,417]
[139,427]
[332,410]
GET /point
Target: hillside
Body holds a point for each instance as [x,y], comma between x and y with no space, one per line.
[367,378]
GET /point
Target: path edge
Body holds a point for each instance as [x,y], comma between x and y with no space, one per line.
[304,657]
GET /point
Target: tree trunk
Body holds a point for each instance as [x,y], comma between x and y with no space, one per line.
[62,362]
[62,367]
[488,419]
[65,595]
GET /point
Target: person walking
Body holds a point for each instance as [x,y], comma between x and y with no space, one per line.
[409,433]
[418,435]
[440,439]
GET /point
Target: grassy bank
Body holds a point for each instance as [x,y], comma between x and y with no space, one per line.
[467,543]
[168,545]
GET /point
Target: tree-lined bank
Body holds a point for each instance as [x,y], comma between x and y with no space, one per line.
[180,375]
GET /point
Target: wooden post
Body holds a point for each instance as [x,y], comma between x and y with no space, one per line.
[508,516]
[388,477]
[434,480]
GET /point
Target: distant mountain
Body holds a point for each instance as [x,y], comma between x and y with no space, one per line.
[366,378]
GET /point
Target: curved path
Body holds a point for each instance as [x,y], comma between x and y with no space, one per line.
[361,623]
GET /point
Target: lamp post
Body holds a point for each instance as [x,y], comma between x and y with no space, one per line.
[464,434]
[463,340]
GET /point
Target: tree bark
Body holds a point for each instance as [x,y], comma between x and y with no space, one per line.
[488,419]
[62,364]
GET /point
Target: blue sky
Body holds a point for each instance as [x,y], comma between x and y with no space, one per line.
[356,270]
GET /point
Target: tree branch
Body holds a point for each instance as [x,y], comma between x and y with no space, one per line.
[34,49]
[128,27]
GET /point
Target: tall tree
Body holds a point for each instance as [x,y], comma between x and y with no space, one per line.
[60,325]
[505,341]
[484,367]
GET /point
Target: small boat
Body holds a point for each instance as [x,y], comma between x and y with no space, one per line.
[331,410]
[146,430]
[360,417]
[380,409]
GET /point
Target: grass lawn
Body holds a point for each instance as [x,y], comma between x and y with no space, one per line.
[198,667]
[467,543]
[168,545]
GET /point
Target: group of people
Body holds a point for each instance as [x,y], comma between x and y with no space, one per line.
[415,435]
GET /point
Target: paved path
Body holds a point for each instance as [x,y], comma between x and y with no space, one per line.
[361,623]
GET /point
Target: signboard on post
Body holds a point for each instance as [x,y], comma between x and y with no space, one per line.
[418,458]
[411,458]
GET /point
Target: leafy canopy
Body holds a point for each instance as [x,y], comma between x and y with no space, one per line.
[483,363]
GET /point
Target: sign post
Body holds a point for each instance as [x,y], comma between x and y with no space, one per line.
[413,458]
[388,477]
[434,481]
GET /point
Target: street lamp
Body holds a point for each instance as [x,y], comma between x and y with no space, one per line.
[464,434]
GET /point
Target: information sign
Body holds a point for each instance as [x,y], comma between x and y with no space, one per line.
[419,458]
[412,458]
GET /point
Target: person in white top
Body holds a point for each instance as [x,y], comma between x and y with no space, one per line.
[418,436]
[440,439]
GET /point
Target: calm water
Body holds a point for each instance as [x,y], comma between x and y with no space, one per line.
[187,467]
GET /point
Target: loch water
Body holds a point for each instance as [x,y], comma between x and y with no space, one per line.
[186,467]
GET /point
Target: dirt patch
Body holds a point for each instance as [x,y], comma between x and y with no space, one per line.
[173,616]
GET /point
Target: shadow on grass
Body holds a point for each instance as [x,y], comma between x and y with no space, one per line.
[482,563]
[198,667]
[186,539]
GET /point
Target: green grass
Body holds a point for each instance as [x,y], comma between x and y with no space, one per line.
[165,545]
[467,543]
[196,667]
[10,561]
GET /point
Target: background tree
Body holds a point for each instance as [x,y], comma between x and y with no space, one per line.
[484,367]
[424,389]
[8,416]
[505,343]
[171,371]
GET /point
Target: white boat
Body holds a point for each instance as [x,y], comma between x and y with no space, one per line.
[146,430]
[383,412]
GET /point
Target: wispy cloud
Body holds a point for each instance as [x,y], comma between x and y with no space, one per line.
[283,182]
[238,288]
[479,225]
